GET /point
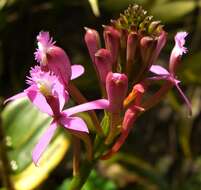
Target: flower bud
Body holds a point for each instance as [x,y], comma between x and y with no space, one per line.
[147,47]
[160,44]
[112,42]
[103,62]
[116,87]
[132,42]
[92,41]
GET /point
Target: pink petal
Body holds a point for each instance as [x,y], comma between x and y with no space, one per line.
[156,78]
[61,93]
[39,100]
[15,97]
[77,70]
[180,41]
[157,69]
[43,142]
[74,123]
[97,104]
[184,98]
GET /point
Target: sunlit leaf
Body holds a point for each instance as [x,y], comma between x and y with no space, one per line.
[24,124]
[32,176]
[94,6]
[21,119]
[172,11]
[4,3]
[20,158]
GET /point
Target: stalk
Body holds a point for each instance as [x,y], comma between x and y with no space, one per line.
[79,180]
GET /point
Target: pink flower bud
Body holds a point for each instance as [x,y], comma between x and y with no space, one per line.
[112,42]
[147,47]
[103,62]
[116,87]
[92,41]
[160,44]
[132,42]
[177,51]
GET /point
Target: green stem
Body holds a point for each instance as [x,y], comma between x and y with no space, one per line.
[79,180]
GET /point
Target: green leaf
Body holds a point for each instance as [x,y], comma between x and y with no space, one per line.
[172,11]
[20,158]
[105,123]
[10,112]
[24,124]
[21,119]
[32,176]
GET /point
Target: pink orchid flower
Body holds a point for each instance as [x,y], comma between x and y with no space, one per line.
[49,95]
[175,57]
[53,58]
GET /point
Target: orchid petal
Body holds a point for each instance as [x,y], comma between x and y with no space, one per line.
[43,142]
[157,69]
[15,97]
[156,78]
[39,100]
[61,93]
[184,98]
[97,104]
[77,70]
[73,123]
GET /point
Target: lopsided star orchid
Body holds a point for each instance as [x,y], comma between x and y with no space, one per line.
[49,95]
[175,57]
[53,58]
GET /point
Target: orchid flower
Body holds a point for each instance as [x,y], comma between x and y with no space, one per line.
[175,57]
[49,95]
[53,58]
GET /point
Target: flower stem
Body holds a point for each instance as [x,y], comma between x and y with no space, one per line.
[76,155]
[79,180]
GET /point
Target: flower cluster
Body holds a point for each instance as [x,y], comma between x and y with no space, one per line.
[126,68]
[133,43]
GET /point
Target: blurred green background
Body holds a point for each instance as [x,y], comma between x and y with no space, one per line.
[164,149]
